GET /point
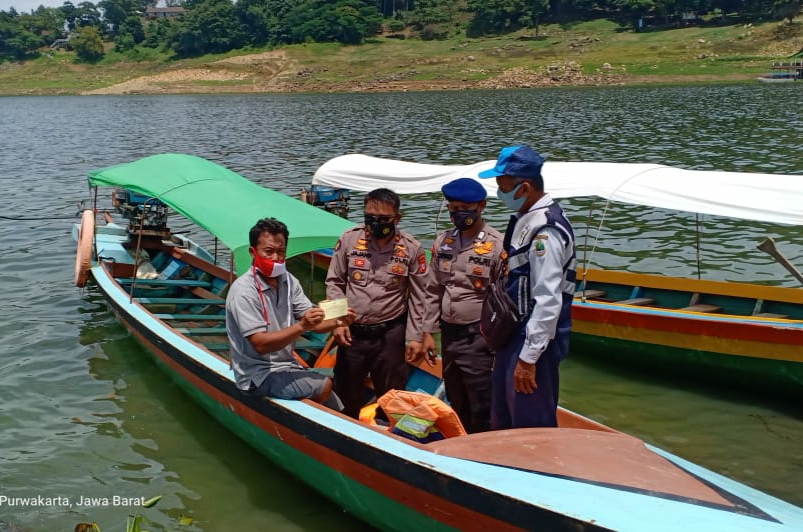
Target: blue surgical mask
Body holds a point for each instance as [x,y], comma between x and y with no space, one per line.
[514,204]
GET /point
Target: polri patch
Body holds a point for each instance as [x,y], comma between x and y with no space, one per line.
[422,263]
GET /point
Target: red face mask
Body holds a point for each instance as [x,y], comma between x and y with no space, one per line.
[266,266]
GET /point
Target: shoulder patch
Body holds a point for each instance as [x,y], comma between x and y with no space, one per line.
[540,248]
[422,263]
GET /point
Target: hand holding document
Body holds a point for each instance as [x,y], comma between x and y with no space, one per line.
[334,308]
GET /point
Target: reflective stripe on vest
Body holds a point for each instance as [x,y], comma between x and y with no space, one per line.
[418,428]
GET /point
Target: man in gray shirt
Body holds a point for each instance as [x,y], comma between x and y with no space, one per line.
[266,312]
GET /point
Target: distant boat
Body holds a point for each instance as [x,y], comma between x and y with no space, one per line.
[170,294]
[784,72]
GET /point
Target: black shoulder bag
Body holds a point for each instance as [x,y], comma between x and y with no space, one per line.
[500,315]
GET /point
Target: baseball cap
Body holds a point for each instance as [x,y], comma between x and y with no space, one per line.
[516,161]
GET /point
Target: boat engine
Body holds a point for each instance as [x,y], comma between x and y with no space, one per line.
[146,216]
[334,200]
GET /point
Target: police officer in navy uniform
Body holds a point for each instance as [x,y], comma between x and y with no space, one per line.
[539,241]
[464,260]
[382,271]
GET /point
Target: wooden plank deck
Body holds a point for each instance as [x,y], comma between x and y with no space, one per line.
[193,317]
[166,282]
[179,301]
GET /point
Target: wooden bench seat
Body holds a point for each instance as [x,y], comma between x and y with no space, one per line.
[218,346]
[179,301]
[591,294]
[770,315]
[166,282]
[639,301]
[199,331]
[702,307]
[194,317]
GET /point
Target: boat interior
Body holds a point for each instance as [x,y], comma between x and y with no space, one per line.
[690,295]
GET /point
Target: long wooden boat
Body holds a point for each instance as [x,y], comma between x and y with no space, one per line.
[784,72]
[741,333]
[169,293]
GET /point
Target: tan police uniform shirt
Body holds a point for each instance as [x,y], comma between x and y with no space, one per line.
[380,283]
[459,274]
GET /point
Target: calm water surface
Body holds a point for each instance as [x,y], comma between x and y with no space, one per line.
[85,413]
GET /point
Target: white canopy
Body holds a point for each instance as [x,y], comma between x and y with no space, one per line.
[772,198]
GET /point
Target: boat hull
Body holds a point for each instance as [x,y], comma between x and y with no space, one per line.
[764,79]
[673,348]
[739,333]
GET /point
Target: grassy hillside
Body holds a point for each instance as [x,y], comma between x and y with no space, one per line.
[596,52]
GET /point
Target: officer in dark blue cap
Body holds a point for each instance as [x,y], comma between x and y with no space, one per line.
[464,260]
[539,242]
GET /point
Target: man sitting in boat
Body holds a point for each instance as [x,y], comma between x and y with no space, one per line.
[266,312]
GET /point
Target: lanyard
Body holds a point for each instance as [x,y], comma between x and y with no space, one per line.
[257,285]
[261,295]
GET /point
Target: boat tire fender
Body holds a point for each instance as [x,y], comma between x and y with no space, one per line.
[83,256]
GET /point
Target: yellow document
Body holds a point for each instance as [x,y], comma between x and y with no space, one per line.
[334,308]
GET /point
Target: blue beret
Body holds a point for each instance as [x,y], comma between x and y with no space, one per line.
[516,161]
[464,189]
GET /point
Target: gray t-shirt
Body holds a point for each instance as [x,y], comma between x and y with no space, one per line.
[245,316]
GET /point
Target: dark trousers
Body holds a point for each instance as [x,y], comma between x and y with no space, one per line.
[512,409]
[467,365]
[379,355]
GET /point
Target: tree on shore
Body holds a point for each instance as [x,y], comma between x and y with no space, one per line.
[218,26]
[788,9]
[88,44]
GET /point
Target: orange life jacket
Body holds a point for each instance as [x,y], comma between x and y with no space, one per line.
[420,416]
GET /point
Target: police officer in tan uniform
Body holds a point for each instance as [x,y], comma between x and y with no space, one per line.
[382,271]
[464,260]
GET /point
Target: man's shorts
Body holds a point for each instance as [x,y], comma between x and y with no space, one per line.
[296,384]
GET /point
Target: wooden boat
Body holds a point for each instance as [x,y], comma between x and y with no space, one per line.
[581,476]
[783,72]
[732,332]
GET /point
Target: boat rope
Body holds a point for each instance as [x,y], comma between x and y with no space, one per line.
[611,196]
[699,223]
[38,218]
[587,256]
[438,216]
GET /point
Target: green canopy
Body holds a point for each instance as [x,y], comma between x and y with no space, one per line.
[223,202]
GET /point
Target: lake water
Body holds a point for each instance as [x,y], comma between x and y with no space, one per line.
[84,413]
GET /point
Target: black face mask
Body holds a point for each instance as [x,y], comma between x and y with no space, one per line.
[463,219]
[379,228]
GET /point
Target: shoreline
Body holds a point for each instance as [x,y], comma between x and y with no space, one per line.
[277,72]
[152,85]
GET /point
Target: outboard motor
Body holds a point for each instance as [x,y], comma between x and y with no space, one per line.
[146,216]
[334,200]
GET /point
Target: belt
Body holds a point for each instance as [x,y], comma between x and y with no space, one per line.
[460,329]
[376,329]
